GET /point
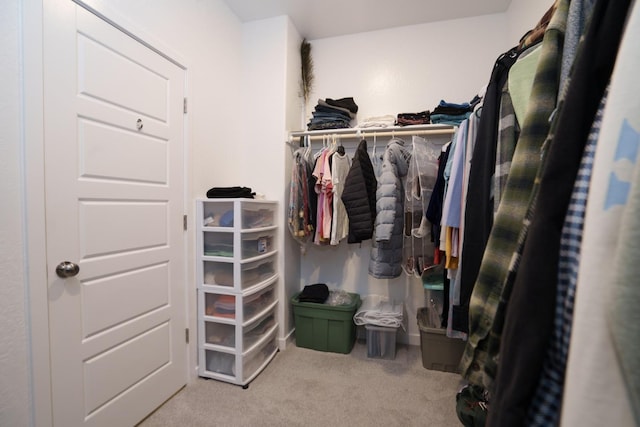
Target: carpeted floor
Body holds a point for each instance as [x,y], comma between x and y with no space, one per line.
[303,387]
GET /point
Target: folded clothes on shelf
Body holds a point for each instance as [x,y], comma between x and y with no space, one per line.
[407,119]
[333,114]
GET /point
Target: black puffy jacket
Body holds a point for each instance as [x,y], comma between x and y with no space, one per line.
[359,195]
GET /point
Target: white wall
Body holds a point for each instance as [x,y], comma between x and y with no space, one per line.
[259,151]
[14,388]
[523,15]
[407,69]
[271,109]
[291,249]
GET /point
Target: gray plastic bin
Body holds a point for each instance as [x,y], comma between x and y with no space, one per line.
[439,352]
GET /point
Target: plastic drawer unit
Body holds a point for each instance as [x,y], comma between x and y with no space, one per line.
[237,279]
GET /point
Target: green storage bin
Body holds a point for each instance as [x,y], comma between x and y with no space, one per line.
[325,327]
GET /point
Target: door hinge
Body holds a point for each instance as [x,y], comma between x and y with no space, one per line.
[184,105]
[186,335]
[184,222]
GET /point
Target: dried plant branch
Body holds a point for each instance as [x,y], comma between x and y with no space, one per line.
[307,77]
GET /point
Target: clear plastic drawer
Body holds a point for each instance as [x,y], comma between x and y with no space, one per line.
[217,214]
[258,329]
[258,215]
[252,273]
[220,305]
[258,357]
[256,244]
[220,334]
[254,304]
[220,363]
[218,273]
[218,244]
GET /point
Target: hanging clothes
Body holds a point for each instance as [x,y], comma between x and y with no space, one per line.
[298,218]
[536,282]
[418,251]
[324,189]
[454,211]
[386,252]
[603,353]
[359,196]
[479,209]
[433,214]
[341,163]
[311,181]
[434,209]
[493,285]
[513,104]
[453,198]
[318,171]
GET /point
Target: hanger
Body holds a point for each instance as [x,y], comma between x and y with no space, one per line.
[307,145]
[535,35]
[373,153]
[319,152]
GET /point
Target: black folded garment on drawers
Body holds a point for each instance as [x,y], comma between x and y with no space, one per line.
[230,193]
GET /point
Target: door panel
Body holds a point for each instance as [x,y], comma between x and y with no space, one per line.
[109,373]
[107,227]
[121,118]
[114,156]
[103,306]
[128,84]
[108,152]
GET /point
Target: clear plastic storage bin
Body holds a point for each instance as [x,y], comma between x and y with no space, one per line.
[381,342]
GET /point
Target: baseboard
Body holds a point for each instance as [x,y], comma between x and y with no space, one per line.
[286,340]
[414,339]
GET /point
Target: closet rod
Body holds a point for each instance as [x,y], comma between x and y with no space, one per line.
[381,132]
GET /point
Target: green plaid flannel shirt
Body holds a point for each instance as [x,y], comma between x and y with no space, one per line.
[493,286]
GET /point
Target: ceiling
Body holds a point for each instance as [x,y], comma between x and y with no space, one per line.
[316,19]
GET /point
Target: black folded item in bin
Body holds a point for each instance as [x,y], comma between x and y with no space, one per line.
[318,293]
[230,193]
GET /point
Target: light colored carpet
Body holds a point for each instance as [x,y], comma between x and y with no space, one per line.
[302,387]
